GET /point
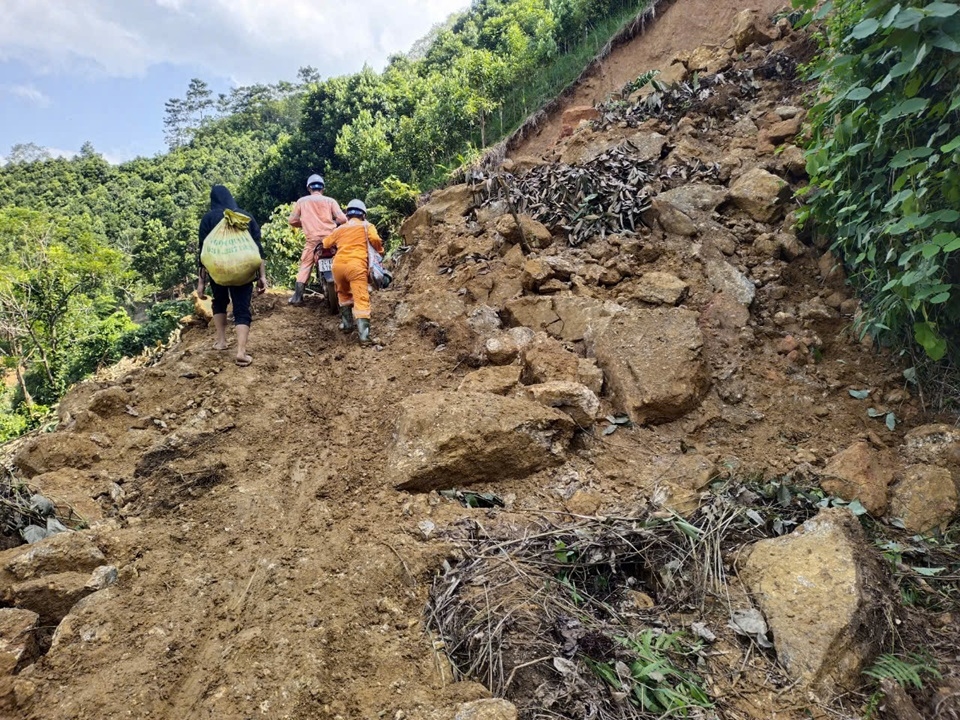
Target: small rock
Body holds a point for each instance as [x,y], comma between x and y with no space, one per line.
[34,534]
[584,502]
[831,270]
[761,194]
[728,280]
[574,399]
[660,288]
[787,345]
[860,473]
[589,374]
[488,709]
[535,272]
[18,639]
[102,577]
[426,528]
[497,379]
[926,498]
[42,506]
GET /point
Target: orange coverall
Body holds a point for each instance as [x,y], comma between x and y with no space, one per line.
[350,263]
[318,215]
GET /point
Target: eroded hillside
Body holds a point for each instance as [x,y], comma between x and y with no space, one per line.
[644,417]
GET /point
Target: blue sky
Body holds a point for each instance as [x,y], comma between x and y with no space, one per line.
[101,70]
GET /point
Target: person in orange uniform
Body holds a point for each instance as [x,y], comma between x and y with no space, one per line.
[350,267]
[318,215]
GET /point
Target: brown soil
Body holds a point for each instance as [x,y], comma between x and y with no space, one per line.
[679,26]
[268,568]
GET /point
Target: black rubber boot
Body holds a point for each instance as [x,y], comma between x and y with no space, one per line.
[297,294]
[346,318]
[363,330]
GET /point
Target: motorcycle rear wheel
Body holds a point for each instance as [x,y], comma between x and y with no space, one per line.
[330,292]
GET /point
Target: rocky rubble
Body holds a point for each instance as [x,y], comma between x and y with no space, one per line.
[689,305]
[627,326]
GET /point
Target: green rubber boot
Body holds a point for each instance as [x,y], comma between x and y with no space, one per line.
[346,318]
[297,294]
[363,330]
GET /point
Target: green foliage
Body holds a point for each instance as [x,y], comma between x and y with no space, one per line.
[389,205]
[884,159]
[476,80]
[654,683]
[908,671]
[282,245]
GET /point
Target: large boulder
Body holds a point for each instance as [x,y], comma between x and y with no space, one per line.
[647,146]
[925,498]
[760,194]
[672,219]
[825,596]
[63,552]
[533,311]
[448,439]
[445,206]
[860,473]
[653,362]
[50,596]
[50,576]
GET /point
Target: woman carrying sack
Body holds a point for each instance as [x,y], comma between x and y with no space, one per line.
[351,267]
[230,261]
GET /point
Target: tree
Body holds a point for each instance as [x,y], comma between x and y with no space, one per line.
[175,122]
[198,102]
[56,274]
[27,153]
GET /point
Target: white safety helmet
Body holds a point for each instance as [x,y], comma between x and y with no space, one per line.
[315,182]
[356,207]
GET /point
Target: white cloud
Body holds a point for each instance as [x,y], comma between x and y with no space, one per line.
[29,93]
[249,40]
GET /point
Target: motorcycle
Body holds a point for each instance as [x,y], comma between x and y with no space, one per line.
[324,263]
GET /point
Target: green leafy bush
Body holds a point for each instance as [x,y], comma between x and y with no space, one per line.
[884,163]
[282,245]
[389,204]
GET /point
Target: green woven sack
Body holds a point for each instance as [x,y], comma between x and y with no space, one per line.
[229,253]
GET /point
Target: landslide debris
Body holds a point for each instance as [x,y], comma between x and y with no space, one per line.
[648,382]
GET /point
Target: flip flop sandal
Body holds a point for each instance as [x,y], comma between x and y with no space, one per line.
[244,362]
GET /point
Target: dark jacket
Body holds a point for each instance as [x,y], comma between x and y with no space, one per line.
[220,200]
